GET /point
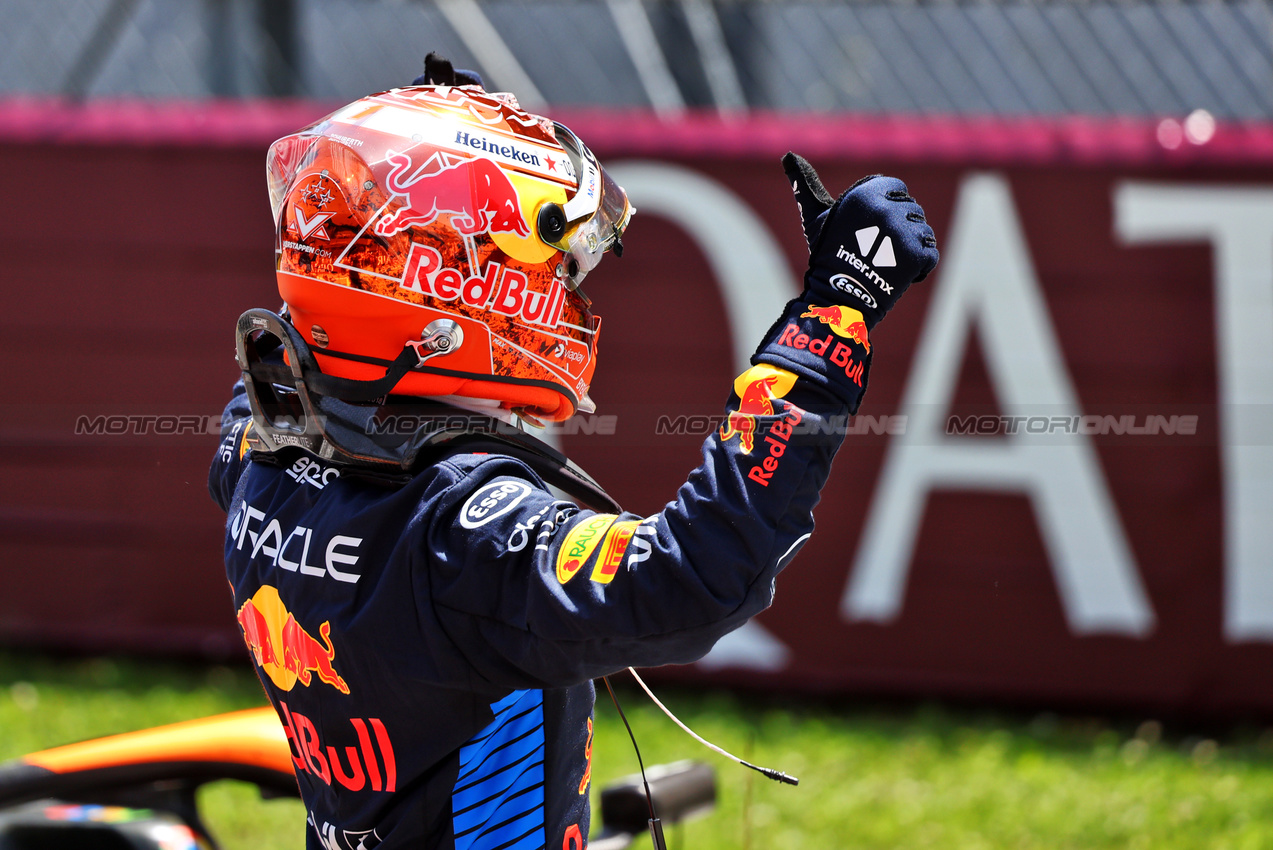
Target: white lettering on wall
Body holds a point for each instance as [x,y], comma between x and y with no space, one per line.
[1238,222]
[987,279]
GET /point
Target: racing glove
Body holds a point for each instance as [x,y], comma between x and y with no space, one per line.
[865,249]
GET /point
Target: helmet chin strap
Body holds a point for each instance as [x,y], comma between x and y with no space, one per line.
[301,370]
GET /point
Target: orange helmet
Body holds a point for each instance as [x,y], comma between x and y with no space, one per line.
[448,220]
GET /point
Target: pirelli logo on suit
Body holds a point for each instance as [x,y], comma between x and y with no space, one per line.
[612,549]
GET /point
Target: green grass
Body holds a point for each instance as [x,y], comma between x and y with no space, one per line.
[934,777]
[45,702]
[871,777]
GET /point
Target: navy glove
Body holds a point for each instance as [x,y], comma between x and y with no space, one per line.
[865,248]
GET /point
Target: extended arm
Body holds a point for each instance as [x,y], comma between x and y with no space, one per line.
[539,592]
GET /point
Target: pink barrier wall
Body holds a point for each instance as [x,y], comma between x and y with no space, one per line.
[1100,331]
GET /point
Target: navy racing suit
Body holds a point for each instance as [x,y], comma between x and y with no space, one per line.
[430,646]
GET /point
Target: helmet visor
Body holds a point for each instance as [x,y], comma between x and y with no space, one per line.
[597,214]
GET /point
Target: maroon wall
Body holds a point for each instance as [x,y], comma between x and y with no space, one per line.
[137,234]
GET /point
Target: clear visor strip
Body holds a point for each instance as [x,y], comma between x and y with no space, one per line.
[585,203]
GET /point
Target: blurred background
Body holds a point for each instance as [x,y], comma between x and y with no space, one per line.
[1055,503]
[941,58]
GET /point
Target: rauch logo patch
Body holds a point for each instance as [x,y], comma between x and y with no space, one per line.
[580,543]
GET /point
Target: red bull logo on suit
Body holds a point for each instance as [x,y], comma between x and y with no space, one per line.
[284,651]
[755,400]
[366,769]
[756,388]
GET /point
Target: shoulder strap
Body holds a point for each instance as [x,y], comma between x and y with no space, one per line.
[549,464]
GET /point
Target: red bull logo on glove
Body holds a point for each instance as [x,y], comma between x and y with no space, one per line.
[756,388]
[284,651]
[845,321]
[477,195]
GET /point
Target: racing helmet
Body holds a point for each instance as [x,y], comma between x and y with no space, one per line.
[448,220]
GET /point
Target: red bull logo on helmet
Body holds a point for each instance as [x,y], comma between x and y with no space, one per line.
[477,195]
[284,651]
[500,288]
[756,388]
